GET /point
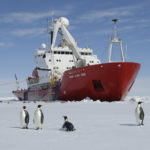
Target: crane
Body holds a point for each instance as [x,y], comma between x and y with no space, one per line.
[62,24]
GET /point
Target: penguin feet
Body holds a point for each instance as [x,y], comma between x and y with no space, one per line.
[24,127]
[141,124]
[38,128]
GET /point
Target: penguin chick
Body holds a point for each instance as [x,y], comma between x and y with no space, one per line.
[24,118]
[139,114]
[67,126]
[38,117]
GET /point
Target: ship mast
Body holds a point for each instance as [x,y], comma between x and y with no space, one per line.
[116,40]
[17,82]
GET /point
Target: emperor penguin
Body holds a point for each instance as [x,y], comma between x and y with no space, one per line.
[24,118]
[67,126]
[38,117]
[139,114]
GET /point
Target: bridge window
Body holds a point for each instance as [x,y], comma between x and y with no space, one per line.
[55,67]
[84,53]
[62,52]
[70,60]
[58,60]
[69,67]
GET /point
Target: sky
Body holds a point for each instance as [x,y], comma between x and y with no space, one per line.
[23,28]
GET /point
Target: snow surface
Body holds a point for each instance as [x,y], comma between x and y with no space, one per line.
[99,126]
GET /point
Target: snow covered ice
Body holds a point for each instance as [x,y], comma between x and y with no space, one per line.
[100,126]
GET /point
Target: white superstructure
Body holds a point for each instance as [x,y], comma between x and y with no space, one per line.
[67,55]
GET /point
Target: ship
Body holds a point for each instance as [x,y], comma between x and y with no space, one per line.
[67,72]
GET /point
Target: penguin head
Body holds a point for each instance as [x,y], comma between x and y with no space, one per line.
[39,106]
[65,118]
[140,102]
[24,107]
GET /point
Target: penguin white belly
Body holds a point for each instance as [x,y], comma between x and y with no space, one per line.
[137,115]
[37,119]
[22,119]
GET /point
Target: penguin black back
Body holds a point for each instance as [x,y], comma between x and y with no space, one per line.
[42,117]
[27,117]
[68,126]
[141,114]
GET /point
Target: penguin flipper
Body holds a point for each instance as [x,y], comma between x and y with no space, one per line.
[42,117]
[141,113]
[27,117]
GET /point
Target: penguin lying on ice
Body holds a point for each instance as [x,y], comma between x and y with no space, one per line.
[139,114]
[38,117]
[67,126]
[24,118]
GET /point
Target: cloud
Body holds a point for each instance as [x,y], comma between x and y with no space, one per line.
[6,44]
[28,17]
[109,32]
[147,40]
[141,41]
[23,17]
[31,31]
[2,44]
[113,12]
[102,14]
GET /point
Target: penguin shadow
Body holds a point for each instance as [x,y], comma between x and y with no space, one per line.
[63,130]
[23,128]
[16,127]
[129,125]
[56,129]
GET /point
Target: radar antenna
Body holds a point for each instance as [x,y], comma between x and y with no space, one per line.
[115,28]
[115,39]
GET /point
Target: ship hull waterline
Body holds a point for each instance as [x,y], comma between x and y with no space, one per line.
[104,82]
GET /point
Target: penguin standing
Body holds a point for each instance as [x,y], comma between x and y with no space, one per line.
[139,114]
[38,117]
[67,126]
[24,118]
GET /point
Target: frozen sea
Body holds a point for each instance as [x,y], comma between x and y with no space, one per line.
[99,126]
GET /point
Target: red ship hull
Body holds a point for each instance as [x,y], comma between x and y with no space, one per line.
[105,82]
